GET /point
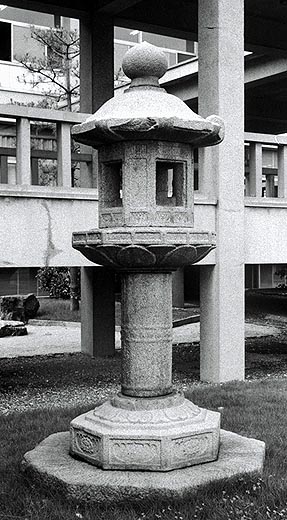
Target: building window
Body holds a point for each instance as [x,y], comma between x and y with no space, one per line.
[57,21]
[5,41]
[177,50]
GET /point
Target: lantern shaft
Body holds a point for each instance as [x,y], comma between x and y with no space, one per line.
[146,334]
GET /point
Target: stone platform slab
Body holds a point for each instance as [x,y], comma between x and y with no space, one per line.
[51,464]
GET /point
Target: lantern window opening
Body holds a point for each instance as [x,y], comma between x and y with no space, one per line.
[170,183]
[112,184]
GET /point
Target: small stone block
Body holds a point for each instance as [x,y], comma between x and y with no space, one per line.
[18,307]
[12,328]
[51,465]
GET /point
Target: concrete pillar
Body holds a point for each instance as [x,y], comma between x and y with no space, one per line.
[64,155]
[86,106]
[146,334]
[97,84]
[97,312]
[221,88]
[86,66]
[102,59]
[255,170]
[23,151]
[96,62]
[178,288]
[282,171]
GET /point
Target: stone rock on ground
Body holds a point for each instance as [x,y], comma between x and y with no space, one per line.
[12,328]
[19,307]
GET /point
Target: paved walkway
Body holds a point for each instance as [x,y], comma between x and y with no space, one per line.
[65,337]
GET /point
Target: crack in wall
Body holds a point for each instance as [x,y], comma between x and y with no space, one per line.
[51,249]
[5,262]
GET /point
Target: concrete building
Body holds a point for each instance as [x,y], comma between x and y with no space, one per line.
[250,227]
[17,86]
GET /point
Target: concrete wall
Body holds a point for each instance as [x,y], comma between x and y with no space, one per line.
[205,215]
[265,234]
[38,232]
[265,230]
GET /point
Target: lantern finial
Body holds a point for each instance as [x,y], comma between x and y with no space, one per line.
[145,61]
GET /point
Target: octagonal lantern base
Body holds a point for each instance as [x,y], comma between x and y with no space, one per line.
[50,464]
[155,434]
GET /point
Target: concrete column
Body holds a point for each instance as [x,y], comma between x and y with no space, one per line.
[86,66]
[86,173]
[97,312]
[23,151]
[221,88]
[97,85]
[64,155]
[102,60]
[255,170]
[96,75]
[96,62]
[282,171]
[178,288]
[146,334]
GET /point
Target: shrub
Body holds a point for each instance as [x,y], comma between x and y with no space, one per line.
[56,281]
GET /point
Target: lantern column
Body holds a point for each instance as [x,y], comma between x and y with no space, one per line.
[145,139]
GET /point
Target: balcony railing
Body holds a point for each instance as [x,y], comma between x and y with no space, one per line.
[36,149]
[38,159]
[266,166]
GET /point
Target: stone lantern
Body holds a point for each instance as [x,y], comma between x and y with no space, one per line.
[145,138]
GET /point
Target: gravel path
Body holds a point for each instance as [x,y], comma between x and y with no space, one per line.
[65,337]
[52,373]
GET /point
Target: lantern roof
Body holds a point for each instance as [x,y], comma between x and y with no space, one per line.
[146,111]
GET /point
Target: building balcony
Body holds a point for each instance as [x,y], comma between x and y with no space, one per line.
[49,190]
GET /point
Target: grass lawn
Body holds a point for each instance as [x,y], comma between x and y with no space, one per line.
[41,395]
[258,303]
[59,310]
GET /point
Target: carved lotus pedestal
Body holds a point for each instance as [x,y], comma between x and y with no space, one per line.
[155,434]
[148,248]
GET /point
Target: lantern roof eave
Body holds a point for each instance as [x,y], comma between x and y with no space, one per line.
[147,111]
